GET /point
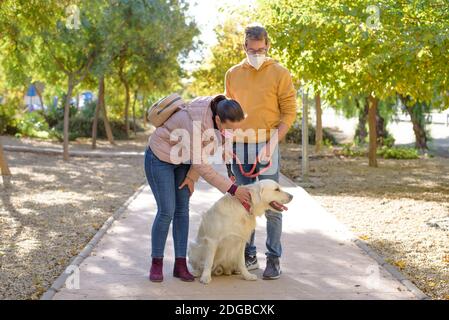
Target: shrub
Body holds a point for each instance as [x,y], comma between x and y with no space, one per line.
[398,153]
[8,117]
[33,125]
[349,150]
[294,135]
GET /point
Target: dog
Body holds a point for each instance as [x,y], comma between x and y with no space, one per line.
[227,226]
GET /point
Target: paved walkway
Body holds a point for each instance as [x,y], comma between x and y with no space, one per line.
[320,259]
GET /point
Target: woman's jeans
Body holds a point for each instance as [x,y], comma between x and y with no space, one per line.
[172,204]
[247,154]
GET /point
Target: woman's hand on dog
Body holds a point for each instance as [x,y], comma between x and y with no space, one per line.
[189,183]
[243,194]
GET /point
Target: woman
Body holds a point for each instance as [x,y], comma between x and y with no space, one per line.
[172,181]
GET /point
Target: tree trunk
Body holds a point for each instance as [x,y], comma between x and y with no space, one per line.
[127,96]
[382,133]
[4,168]
[134,113]
[144,112]
[372,112]
[67,117]
[97,112]
[360,132]
[39,94]
[107,126]
[419,123]
[319,123]
[419,126]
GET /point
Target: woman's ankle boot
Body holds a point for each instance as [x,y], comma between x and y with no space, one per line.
[156,270]
[180,270]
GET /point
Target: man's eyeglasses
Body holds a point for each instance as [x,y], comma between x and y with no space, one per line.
[259,51]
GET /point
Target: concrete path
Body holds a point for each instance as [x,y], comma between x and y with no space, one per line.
[321,260]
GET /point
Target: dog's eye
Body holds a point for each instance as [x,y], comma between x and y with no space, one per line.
[278,189]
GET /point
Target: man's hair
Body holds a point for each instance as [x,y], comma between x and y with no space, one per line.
[256,32]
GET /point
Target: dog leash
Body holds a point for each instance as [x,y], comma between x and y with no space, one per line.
[251,173]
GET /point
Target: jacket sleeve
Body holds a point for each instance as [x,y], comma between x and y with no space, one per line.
[287,99]
[200,167]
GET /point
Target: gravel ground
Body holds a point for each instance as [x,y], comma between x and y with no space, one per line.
[53,208]
[401,209]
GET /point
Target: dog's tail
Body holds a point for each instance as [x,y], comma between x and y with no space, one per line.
[218,271]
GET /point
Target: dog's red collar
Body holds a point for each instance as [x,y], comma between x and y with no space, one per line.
[247,206]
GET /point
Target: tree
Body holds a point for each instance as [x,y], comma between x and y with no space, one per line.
[152,37]
[349,50]
[319,123]
[59,38]
[4,168]
[209,78]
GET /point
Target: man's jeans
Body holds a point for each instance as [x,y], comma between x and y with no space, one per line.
[247,154]
[172,204]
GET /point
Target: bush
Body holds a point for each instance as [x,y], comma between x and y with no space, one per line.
[294,135]
[33,125]
[349,150]
[8,117]
[81,127]
[398,153]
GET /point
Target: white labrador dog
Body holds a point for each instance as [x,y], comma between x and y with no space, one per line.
[226,227]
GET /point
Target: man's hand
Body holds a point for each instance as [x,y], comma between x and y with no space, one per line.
[267,152]
[189,183]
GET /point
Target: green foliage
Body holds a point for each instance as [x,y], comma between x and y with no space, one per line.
[209,78]
[8,117]
[294,135]
[351,150]
[330,46]
[398,153]
[386,152]
[33,125]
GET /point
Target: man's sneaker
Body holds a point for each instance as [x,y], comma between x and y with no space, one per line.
[273,269]
[251,263]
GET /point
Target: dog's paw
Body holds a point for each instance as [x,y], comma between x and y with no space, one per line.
[250,277]
[195,273]
[206,279]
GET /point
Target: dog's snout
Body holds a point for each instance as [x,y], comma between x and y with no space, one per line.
[290,197]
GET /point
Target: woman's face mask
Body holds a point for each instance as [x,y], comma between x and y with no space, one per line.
[227,133]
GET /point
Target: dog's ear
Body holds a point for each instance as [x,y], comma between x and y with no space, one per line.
[256,193]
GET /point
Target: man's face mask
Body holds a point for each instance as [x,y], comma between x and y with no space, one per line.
[256,60]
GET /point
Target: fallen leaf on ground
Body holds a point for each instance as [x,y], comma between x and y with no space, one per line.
[400,264]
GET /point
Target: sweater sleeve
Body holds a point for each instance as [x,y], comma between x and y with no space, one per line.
[287,99]
[228,91]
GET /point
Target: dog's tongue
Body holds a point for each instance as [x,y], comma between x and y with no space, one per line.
[278,206]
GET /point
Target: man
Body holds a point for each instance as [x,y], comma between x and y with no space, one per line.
[265,91]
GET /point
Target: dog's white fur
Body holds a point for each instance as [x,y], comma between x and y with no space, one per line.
[226,227]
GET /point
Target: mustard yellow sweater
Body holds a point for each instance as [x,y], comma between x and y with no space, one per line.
[267,96]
